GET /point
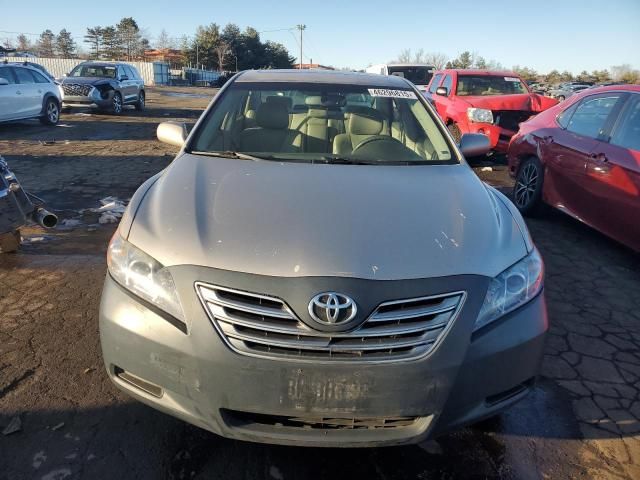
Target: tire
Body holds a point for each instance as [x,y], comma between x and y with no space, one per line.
[51,114]
[140,103]
[455,132]
[10,242]
[527,192]
[560,98]
[116,103]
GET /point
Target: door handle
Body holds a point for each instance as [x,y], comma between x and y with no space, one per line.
[548,139]
[600,157]
[18,92]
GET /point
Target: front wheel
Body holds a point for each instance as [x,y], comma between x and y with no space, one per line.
[527,192]
[116,104]
[140,102]
[51,112]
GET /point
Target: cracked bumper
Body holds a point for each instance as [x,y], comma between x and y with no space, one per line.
[201,379]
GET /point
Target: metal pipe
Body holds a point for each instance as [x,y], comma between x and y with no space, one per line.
[44,218]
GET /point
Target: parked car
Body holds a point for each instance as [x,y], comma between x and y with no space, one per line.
[417,73]
[583,158]
[37,66]
[565,91]
[103,85]
[26,93]
[487,102]
[320,266]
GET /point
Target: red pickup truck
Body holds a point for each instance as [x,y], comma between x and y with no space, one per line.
[487,102]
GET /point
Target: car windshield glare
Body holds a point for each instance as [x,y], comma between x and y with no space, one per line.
[98,71]
[483,85]
[328,123]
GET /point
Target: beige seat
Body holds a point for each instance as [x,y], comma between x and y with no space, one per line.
[272,133]
[362,123]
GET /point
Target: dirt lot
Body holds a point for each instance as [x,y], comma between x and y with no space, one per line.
[581,421]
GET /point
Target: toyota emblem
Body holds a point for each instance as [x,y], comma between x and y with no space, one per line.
[330,308]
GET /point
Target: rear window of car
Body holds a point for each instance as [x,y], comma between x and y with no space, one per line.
[485,85]
[7,74]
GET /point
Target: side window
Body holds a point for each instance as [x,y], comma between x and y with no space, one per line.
[121,72]
[435,82]
[627,132]
[128,71]
[24,76]
[448,83]
[7,73]
[591,114]
[135,72]
[564,117]
[39,77]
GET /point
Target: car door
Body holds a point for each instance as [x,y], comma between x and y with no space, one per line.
[134,87]
[613,177]
[125,84]
[29,93]
[566,151]
[9,99]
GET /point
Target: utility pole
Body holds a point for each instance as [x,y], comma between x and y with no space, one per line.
[301,27]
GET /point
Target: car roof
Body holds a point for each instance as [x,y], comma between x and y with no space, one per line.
[613,88]
[322,76]
[473,71]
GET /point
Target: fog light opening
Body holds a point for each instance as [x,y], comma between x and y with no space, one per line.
[508,394]
[139,383]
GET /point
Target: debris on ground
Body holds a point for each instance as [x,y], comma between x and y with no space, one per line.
[87,370]
[70,223]
[58,426]
[107,218]
[47,142]
[110,211]
[15,425]
[486,169]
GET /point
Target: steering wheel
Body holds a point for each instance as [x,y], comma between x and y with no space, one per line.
[383,143]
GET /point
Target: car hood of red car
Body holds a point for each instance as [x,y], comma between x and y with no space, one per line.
[525,101]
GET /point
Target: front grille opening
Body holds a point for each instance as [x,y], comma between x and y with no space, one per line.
[242,419]
[248,299]
[139,383]
[381,354]
[412,305]
[510,393]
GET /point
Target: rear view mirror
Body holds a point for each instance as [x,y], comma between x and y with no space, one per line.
[474,144]
[172,133]
[444,91]
[4,81]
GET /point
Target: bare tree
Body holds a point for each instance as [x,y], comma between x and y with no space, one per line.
[438,60]
[24,44]
[405,56]
[221,50]
[163,41]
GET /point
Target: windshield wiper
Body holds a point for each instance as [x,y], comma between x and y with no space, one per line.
[355,161]
[232,154]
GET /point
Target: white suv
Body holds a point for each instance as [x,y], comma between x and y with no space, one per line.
[26,93]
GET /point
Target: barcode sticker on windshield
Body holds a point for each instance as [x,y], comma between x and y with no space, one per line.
[383,92]
[511,79]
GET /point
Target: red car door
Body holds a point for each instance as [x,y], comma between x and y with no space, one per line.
[613,178]
[566,151]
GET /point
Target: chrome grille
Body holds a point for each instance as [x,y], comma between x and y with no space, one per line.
[76,89]
[264,326]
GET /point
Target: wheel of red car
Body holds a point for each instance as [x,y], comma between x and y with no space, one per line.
[455,132]
[527,192]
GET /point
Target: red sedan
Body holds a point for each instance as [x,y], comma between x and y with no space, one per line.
[583,157]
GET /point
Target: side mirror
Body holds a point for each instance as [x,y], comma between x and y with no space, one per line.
[474,144]
[4,81]
[172,133]
[444,91]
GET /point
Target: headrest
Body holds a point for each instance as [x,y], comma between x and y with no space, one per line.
[313,100]
[286,101]
[366,122]
[272,115]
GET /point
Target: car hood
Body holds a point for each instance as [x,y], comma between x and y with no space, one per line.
[293,219]
[531,102]
[86,80]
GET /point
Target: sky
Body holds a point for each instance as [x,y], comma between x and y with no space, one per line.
[572,35]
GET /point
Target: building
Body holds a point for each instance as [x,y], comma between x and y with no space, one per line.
[313,66]
[163,55]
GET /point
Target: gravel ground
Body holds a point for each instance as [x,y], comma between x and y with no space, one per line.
[581,421]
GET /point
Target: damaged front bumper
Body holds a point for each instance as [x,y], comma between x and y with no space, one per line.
[189,372]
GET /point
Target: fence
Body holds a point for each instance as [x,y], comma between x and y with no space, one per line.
[153,73]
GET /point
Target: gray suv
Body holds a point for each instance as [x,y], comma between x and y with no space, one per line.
[320,266]
[104,85]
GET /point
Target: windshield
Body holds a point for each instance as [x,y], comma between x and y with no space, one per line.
[418,75]
[322,123]
[100,71]
[483,85]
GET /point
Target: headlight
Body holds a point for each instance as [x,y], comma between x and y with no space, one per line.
[480,115]
[512,288]
[143,276]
